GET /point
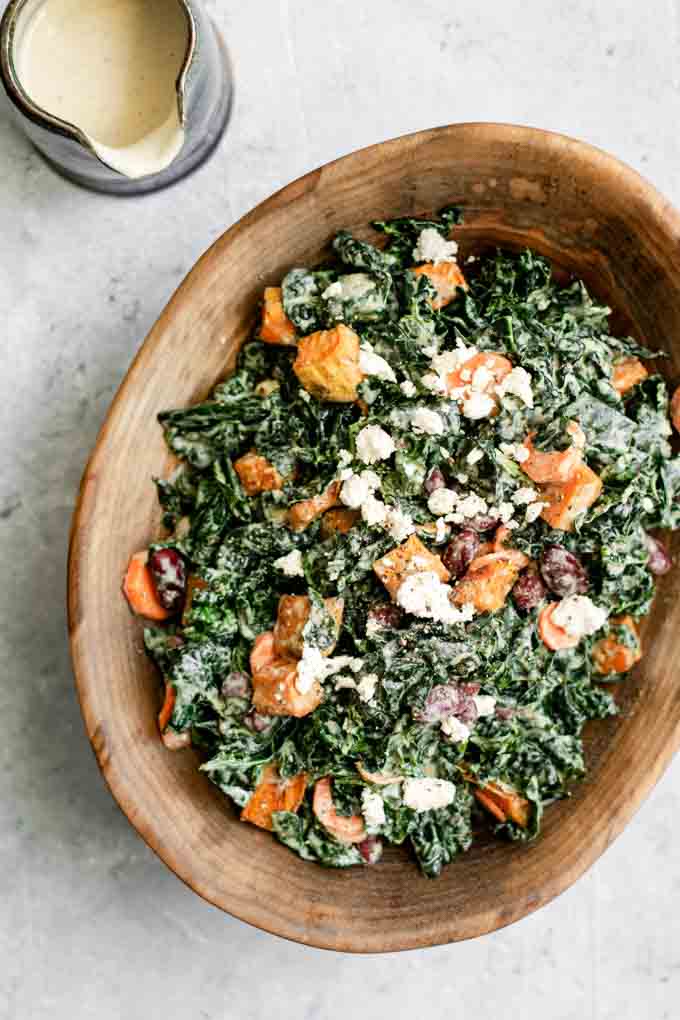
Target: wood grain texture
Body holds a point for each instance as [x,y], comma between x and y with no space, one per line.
[591,215]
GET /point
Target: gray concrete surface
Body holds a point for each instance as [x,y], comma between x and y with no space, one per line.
[91,923]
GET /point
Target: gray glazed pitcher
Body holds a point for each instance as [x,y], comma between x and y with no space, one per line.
[204,91]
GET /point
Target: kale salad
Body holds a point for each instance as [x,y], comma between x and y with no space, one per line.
[408,546]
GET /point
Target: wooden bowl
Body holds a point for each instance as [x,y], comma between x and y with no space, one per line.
[587,212]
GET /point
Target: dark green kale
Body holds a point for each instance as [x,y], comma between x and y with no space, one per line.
[394,678]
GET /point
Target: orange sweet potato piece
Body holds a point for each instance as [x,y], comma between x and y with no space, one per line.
[346,828]
[497,364]
[293,614]
[675,409]
[339,522]
[274,690]
[446,277]
[301,514]
[256,474]
[626,373]
[611,655]
[487,583]
[551,467]
[140,591]
[165,714]
[410,558]
[327,364]
[569,499]
[504,804]
[553,636]
[276,327]
[273,793]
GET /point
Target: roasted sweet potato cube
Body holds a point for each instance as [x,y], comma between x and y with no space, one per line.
[410,558]
[293,614]
[568,499]
[504,804]
[275,693]
[276,327]
[626,373]
[327,364]
[487,583]
[256,474]
[273,793]
[339,522]
[446,277]
[301,514]
[614,654]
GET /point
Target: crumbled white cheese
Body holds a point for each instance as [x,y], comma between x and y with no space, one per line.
[431,381]
[471,505]
[505,512]
[478,405]
[425,420]
[518,452]
[408,388]
[373,511]
[647,504]
[425,596]
[311,668]
[373,364]
[534,511]
[357,488]
[524,496]
[428,794]
[485,705]
[349,288]
[432,247]
[442,501]
[579,616]
[399,525]
[291,565]
[474,456]
[454,729]
[442,532]
[366,686]
[517,383]
[372,808]
[462,478]
[374,444]
[481,379]
[344,458]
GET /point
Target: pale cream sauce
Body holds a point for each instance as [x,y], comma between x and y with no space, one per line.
[110,68]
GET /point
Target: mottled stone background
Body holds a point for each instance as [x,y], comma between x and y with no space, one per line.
[92,925]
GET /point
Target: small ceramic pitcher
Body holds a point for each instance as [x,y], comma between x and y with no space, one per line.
[204,91]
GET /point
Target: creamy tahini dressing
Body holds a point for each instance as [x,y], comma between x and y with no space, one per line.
[110,68]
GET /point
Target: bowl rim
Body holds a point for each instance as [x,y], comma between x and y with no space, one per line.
[656,206]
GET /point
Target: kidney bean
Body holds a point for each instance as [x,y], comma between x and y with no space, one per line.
[449,699]
[256,722]
[528,591]
[460,552]
[371,849]
[236,685]
[383,615]
[169,575]
[659,561]
[563,573]
[435,480]
[483,522]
